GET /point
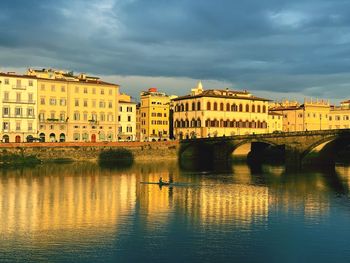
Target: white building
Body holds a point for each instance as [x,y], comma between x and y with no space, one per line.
[126,119]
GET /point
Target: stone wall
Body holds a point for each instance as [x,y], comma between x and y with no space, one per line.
[90,151]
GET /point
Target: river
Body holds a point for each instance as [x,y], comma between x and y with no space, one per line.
[80,212]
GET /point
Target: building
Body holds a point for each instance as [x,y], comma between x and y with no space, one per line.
[339,116]
[126,119]
[311,115]
[75,108]
[206,113]
[154,110]
[138,123]
[19,107]
[275,122]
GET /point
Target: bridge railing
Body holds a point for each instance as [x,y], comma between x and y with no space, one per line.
[272,135]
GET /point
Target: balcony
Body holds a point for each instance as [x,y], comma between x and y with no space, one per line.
[52,120]
[19,87]
[19,101]
[11,116]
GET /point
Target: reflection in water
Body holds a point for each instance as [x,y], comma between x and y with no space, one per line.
[65,206]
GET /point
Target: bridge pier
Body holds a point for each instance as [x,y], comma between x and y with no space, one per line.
[293,158]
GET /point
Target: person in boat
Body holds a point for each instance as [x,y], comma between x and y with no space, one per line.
[160,180]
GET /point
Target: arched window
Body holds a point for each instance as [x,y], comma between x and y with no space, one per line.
[221,106]
[207,123]
[221,123]
[182,107]
[253,108]
[240,108]
[187,123]
[198,105]
[259,109]
[193,106]
[186,106]
[264,109]
[247,108]
[199,124]
[193,123]
[233,107]
[228,107]
[215,106]
[208,105]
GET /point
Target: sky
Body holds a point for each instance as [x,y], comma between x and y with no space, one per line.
[273,48]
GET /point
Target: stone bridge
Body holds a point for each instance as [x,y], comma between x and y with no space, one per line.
[296,146]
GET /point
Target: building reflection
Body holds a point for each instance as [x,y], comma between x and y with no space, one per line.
[48,199]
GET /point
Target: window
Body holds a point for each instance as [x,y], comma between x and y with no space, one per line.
[18,126]
[85,103]
[85,116]
[6,111]
[102,91]
[63,89]
[18,111]
[18,83]
[41,116]
[76,102]
[129,118]
[94,103]
[121,109]
[102,116]
[42,101]
[62,116]
[76,116]
[52,101]
[6,96]
[30,126]
[18,97]
[6,126]
[30,97]
[119,118]
[52,115]
[7,81]
[42,87]
[102,104]
[30,83]
[62,102]
[110,104]
[53,88]
[93,91]
[30,112]
[85,90]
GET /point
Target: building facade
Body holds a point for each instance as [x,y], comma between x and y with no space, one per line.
[311,115]
[126,119]
[154,111]
[76,108]
[19,107]
[206,113]
[275,122]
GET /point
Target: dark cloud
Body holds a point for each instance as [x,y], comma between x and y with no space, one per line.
[273,45]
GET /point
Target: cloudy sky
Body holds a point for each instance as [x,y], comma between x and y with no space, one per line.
[276,48]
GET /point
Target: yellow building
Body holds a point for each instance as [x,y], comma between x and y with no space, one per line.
[312,115]
[126,119]
[206,113]
[275,122]
[138,123]
[339,116]
[19,107]
[154,112]
[76,108]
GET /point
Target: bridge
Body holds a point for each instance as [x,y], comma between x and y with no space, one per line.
[296,146]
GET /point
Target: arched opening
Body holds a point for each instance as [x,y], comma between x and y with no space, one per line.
[247,108]
[221,106]
[193,106]
[42,137]
[30,138]
[240,108]
[198,105]
[17,139]
[215,106]
[6,138]
[52,137]
[62,137]
[253,108]
[208,106]
[93,137]
[186,106]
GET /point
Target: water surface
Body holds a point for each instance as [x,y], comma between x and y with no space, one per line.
[82,213]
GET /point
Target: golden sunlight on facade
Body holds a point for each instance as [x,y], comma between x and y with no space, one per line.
[154,111]
[18,100]
[206,113]
[75,108]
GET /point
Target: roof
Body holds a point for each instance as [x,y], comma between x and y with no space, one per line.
[275,113]
[76,80]
[229,94]
[127,102]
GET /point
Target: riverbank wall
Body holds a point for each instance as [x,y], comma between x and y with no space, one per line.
[80,151]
